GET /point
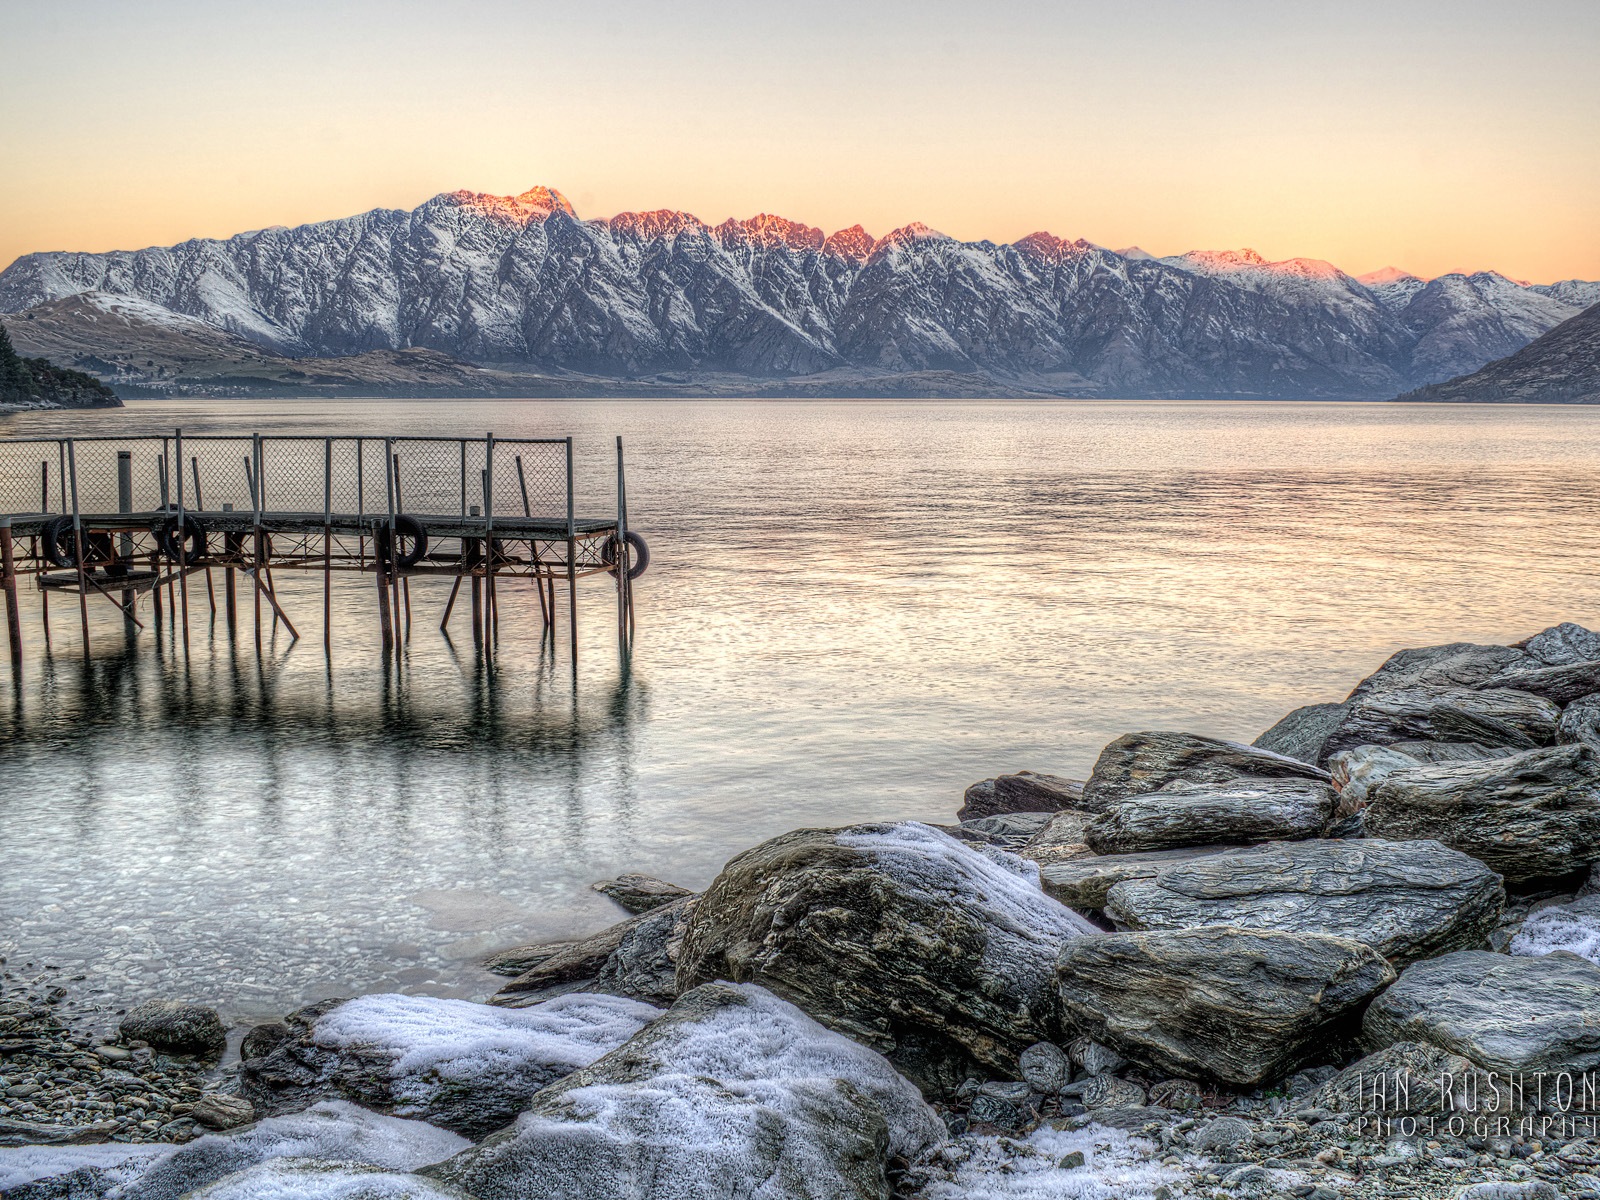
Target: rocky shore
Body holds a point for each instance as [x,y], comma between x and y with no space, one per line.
[1356,957]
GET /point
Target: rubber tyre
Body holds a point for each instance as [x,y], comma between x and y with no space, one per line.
[59,547]
[194,537]
[639,554]
[404,527]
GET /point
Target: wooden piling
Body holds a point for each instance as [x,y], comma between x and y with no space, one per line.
[199,506]
[77,543]
[125,543]
[232,545]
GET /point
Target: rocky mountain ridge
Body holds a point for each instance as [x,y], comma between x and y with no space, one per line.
[522,283]
[1562,367]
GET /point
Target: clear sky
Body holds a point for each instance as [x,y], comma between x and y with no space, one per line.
[1430,134]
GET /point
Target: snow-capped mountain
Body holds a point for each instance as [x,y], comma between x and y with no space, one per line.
[523,280]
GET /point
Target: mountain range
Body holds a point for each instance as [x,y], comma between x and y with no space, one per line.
[473,293]
[1562,367]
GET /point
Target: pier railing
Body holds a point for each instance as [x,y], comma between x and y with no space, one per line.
[360,476]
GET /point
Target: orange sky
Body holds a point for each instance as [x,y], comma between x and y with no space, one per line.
[1431,136]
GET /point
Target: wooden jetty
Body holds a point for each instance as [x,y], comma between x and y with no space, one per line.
[122,520]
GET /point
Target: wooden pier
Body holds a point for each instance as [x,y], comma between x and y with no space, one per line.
[160,525]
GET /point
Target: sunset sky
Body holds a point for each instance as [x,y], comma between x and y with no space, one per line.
[1434,135]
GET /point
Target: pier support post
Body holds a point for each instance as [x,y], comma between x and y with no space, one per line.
[8,572]
[125,541]
[232,545]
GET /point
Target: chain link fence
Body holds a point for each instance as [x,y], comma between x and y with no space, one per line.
[302,475]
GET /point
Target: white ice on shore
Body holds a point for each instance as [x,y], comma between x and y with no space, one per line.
[1573,927]
[306,1179]
[433,1042]
[1115,1166]
[118,1160]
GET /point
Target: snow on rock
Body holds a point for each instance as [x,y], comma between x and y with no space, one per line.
[308,1179]
[110,1163]
[844,923]
[1573,927]
[332,1131]
[733,1093]
[521,279]
[1115,1166]
[468,1067]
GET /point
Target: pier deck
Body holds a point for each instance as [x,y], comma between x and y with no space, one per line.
[129,518]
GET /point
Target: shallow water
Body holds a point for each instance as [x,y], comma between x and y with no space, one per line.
[855,609]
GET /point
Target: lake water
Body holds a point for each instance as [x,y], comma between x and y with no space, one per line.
[855,609]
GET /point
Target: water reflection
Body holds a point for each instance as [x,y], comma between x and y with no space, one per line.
[854,611]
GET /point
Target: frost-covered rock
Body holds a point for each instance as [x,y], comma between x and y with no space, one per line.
[1185,813]
[1498,716]
[313,1179]
[1504,1013]
[1407,900]
[1085,882]
[333,1131]
[1093,1163]
[928,949]
[1573,927]
[1529,816]
[467,1067]
[1025,791]
[734,1093]
[1145,762]
[67,1172]
[1240,1006]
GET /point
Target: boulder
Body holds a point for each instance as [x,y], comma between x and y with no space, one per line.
[332,1131]
[1010,830]
[466,1067]
[1529,816]
[1449,752]
[1580,723]
[1065,828]
[176,1028]
[1026,791]
[1303,732]
[645,963]
[557,966]
[1044,1067]
[1500,717]
[1083,883]
[1202,814]
[217,1110]
[1458,664]
[1573,927]
[640,893]
[732,1093]
[1241,1006]
[1505,1013]
[936,952]
[1407,1079]
[1563,644]
[1355,771]
[1407,900]
[1144,762]
[1561,685]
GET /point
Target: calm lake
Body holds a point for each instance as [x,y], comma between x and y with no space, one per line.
[854,610]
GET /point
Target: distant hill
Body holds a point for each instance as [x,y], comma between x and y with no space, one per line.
[37,383]
[1562,367]
[648,302]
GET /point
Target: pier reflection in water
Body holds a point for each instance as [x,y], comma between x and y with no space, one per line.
[854,610]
